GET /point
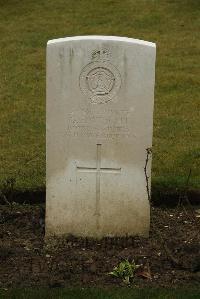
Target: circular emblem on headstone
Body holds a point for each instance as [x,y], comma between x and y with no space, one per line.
[100,81]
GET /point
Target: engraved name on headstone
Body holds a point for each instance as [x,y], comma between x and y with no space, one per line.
[100,94]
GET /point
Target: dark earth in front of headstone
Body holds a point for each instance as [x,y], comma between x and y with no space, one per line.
[170,257]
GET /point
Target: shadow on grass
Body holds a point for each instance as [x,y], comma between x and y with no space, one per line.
[22,197]
[161,196]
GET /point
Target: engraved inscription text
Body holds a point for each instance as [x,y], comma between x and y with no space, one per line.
[107,124]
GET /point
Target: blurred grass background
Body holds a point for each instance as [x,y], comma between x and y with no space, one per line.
[25,28]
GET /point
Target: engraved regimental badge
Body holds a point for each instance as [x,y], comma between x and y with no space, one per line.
[100,80]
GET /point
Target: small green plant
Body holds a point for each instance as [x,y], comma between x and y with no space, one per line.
[125,270]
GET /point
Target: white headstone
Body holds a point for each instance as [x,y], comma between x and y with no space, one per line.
[100,94]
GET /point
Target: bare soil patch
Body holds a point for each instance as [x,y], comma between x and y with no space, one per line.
[171,255]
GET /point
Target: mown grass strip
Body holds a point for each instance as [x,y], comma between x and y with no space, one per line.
[77,293]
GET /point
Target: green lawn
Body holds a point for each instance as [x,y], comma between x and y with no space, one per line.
[25,28]
[100,294]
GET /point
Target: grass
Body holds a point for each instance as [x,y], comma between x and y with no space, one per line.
[25,28]
[122,293]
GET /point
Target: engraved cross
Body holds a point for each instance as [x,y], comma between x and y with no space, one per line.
[98,170]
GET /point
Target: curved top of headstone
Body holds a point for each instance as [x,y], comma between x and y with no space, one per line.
[103,38]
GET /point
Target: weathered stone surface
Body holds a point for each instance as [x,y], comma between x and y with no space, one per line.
[100,93]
